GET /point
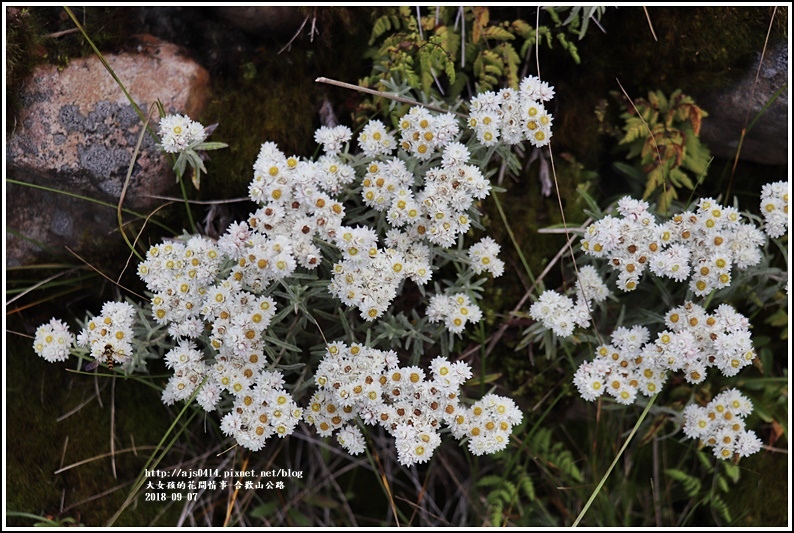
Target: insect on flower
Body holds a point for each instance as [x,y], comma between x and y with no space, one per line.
[108,355]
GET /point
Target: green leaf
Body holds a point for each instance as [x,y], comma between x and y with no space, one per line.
[381,26]
[264,510]
[497,33]
[211,146]
[298,517]
[490,481]
[655,180]
[522,28]
[732,471]
[691,484]
[629,170]
[680,178]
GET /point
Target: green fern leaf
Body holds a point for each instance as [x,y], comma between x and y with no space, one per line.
[381,26]
[696,155]
[493,69]
[522,29]
[490,481]
[691,484]
[497,33]
[655,180]
[496,514]
[720,506]
[425,69]
[681,179]
[527,487]
[722,482]
[732,471]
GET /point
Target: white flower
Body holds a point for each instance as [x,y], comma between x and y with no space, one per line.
[774,208]
[374,140]
[351,439]
[332,139]
[556,312]
[53,341]
[590,286]
[178,133]
[455,310]
[482,257]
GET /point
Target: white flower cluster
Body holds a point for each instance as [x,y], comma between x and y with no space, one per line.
[53,341]
[179,132]
[297,208]
[774,207]
[110,333]
[620,370]
[360,381]
[704,243]
[560,314]
[107,336]
[188,294]
[483,257]
[189,372]
[455,310]
[375,140]
[333,138]
[422,133]
[720,424]
[694,342]
[261,411]
[513,115]
[200,287]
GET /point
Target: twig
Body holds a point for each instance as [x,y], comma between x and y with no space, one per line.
[101,456]
[288,46]
[36,286]
[494,339]
[113,427]
[234,495]
[650,133]
[96,496]
[137,237]
[57,34]
[382,94]
[63,454]
[650,25]
[76,409]
[104,276]
[198,202]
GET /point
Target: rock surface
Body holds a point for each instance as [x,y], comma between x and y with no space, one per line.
[767,141]
[77,132]
[281,20]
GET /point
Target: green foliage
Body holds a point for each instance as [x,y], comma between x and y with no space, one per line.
[578,20]
[723,476]
[505,494]
[459,44]
[662,135]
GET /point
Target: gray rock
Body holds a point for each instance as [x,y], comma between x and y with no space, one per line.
[767,142]
[281,21]
[76,132]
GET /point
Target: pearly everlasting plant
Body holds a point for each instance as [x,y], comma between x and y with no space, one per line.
[774,208]
[701,246]
[720,425]
[560,314]
[371,223]
[368,384]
